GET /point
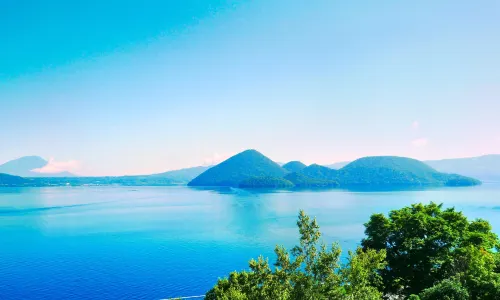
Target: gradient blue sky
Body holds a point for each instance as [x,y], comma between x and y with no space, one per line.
[134,87]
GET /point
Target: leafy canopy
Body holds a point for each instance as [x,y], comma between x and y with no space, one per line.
[310,270]
[426,244]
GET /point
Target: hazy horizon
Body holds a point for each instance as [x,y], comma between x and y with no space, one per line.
[143,89]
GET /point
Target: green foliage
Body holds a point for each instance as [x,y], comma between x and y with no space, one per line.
[302,181]
[396,171]
[476,268]
[310,270]
[457,180]
[361,274]
[320,172]
[422,252]
[426,244]
[447,289]
[266,182]
[238,168]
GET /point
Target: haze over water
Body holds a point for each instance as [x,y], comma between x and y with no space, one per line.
[161,242]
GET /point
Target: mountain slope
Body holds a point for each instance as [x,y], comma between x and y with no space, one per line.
[266,182]
[485,168]
[320,172]
[242,166]
[393,170]
[10,180]
[300,180]
[182,175]
[294,166]
[24,167]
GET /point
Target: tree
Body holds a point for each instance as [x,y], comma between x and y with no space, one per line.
[426,244]
[448,289]
[309,271]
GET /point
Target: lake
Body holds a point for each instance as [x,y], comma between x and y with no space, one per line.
[162,242]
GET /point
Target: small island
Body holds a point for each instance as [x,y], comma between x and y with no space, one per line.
[251,169]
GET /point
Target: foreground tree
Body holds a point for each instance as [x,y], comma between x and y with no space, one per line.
[426,244]
[309,271]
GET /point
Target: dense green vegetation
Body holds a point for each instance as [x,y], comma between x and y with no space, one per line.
[457,180]
[294,166]
[393,170]
[238,168]
[251,169]
[310,270]
[426,245]
[266,182]
[9,180]
[320,172]
[377,171]
[484,168]
[419,252]
[302,181]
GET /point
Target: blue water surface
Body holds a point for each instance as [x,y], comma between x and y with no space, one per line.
[162,242]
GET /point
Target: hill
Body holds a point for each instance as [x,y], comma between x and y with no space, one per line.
[242,166]
[10,180]
[266,182]
[485,168]
[182,175]
[294,166]
[397,171]
[320,172]
[24,167]
[300,180]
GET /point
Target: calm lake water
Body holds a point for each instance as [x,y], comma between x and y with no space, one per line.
[161,242]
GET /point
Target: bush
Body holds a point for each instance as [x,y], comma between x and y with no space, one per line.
[448,289]
[309,271]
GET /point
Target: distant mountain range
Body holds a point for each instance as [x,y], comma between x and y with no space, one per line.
[183,175]
[485,168]
[26,165]
[251,169]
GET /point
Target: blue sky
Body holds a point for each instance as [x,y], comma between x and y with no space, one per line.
[136,87]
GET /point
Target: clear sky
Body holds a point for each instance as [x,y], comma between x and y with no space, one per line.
[136,87]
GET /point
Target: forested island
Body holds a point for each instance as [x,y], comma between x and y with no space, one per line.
[251,170]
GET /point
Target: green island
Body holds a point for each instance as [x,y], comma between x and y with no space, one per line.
[421,252]
[250,169]
[266,182]
[376,171]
